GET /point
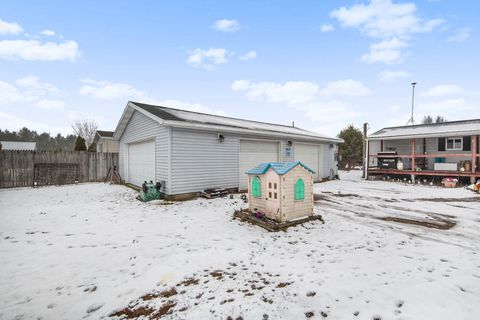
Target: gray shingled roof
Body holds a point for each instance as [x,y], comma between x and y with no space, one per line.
[184,116]
[102,133]
[451,128]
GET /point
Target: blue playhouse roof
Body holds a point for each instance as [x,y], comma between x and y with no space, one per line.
[280,167]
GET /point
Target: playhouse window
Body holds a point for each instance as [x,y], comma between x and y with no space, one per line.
[299,190]
[256,187]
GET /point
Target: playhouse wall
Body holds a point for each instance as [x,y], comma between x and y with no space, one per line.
[291,208]
[257,203]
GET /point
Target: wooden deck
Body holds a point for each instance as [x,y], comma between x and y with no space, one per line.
[424,172]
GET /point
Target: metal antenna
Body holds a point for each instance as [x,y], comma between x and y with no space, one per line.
[413,104]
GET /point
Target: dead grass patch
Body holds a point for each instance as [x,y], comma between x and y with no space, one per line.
[133,313]
[283,284]
[188,282]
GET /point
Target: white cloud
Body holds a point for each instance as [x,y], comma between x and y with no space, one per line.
[9,27]
[48,33]
[50,104]
[240,85]
[442,106]
[388,76]
[319,105]
[339,115]
[384,19]
[298,92]
[13,122]
[345,88]
[291,92]
[387,51]
[208,58]
[442,90]
[105,90]
[393,23]
[35,50]
[326,28]
[31,90]
[461,35]
[226,25]
[35,87]
[9,94]
[250,55]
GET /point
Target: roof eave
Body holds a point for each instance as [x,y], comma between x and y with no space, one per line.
[125,118]
[210,127]
[429,135]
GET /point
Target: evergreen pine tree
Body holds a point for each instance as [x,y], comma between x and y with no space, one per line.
[92,147]
[351,151]
[80,144]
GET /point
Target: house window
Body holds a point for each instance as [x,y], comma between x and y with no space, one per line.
[256,187]
[299,190]
[275,186]
[454,144]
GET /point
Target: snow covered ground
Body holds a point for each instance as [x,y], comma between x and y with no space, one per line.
[386,251]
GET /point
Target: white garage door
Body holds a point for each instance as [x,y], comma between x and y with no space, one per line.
[310,155]
[141,162]
[253,153]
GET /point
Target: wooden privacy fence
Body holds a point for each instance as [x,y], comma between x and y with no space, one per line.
[22,168]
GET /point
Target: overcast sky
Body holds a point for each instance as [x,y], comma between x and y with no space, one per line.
[322,64]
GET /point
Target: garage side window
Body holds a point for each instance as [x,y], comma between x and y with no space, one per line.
[299,190]
[256,187]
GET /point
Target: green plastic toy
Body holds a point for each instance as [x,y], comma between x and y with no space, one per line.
[150,191]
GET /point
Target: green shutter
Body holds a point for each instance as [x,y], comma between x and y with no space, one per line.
[299,190]
[256,187]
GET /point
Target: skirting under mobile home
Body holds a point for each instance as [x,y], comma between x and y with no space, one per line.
[189,152]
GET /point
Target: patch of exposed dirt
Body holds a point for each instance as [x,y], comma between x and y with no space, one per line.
[90,289]
[442,224]
[317,196]
[470,199]
[168,293]
[217,274]
[188,282]
[156,304]
[149,296]
[164,310]
[133,313]
[283,284]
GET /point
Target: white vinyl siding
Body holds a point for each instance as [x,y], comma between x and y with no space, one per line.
[142,128]
[200,161]
[254,152]
[329,164]
[310,154]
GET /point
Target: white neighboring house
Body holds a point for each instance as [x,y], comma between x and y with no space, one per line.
[446,149]
[17,145]
[104,141]
[191,151]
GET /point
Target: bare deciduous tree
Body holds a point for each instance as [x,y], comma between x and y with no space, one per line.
[85,129]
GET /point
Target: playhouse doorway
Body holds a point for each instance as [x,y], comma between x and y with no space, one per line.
[273,196]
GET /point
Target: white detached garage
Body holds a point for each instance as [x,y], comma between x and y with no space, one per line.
[141,161]
[190,151]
